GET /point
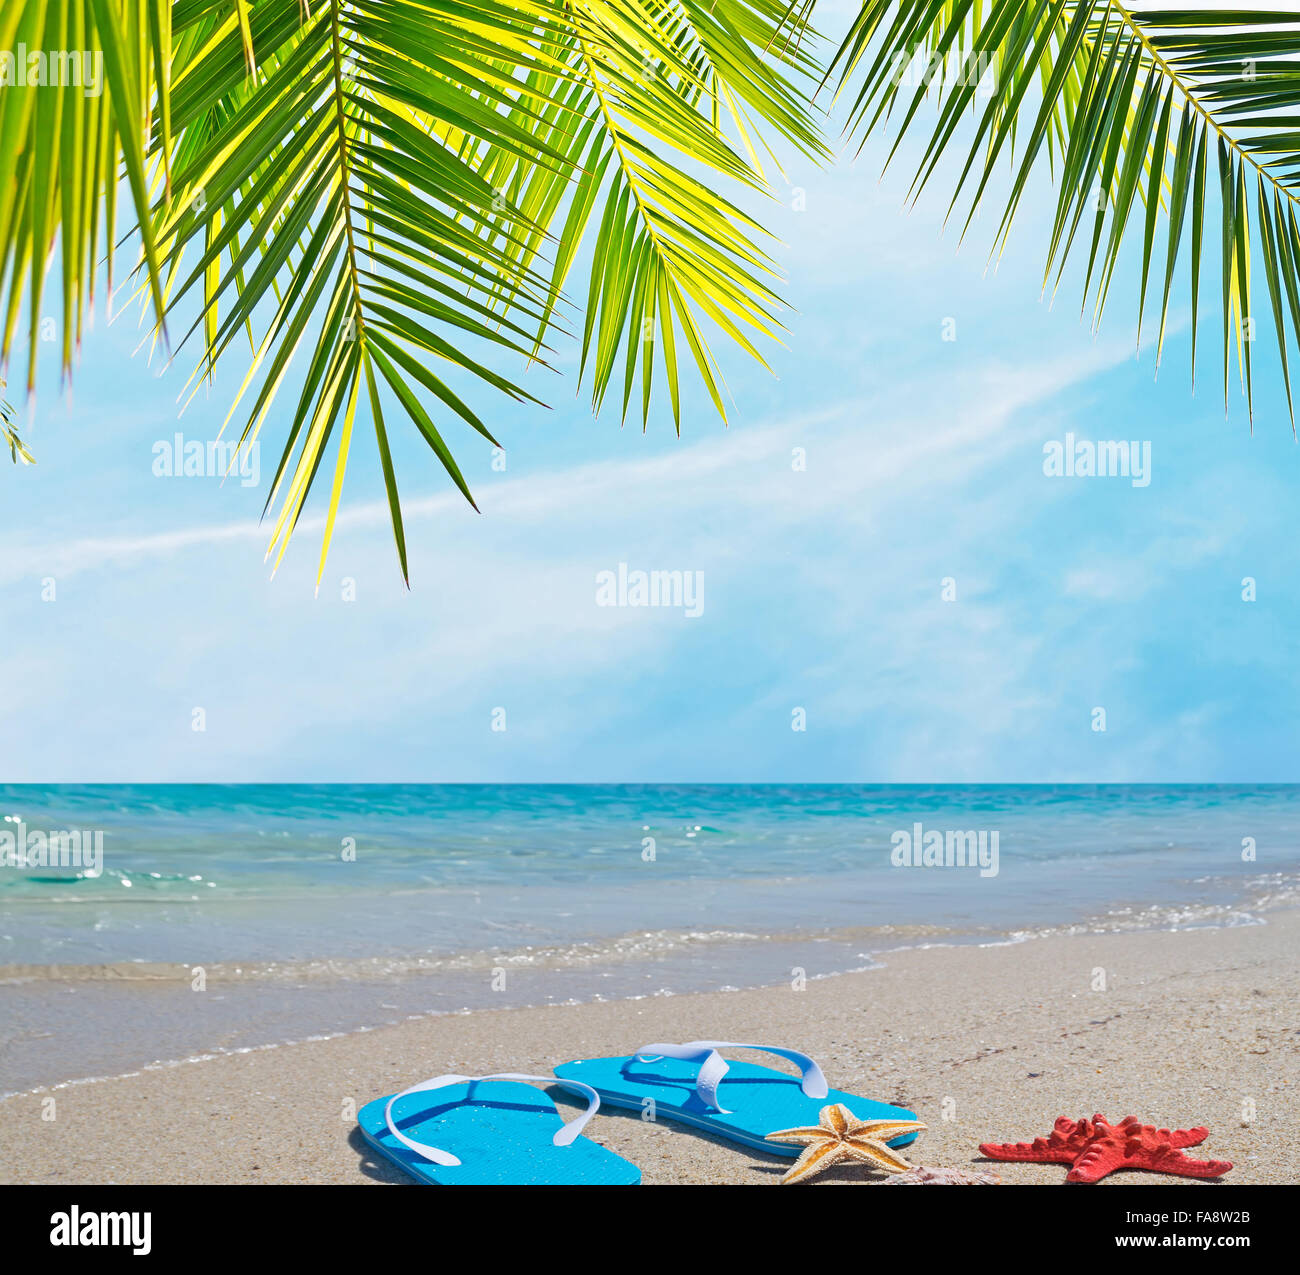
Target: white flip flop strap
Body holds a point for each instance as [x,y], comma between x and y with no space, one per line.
[713,1066]
[564,1136]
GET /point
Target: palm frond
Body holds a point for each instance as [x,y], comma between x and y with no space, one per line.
[654,105]
[382,200]
[75,116]
[9,433]
[1132,108]
[331,216]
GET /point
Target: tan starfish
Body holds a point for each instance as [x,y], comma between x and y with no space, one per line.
[839,1135]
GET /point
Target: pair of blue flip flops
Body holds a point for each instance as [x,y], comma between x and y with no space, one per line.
[497,1131]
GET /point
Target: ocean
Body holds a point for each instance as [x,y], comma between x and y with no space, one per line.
[240,916]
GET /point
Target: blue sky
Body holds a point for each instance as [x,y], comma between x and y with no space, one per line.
[822,587]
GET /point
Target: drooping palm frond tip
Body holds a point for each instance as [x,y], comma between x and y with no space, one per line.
[381,201]
[73,121]
[1144,115]
[9,432]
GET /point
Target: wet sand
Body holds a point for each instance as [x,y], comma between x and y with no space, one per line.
[985,1044]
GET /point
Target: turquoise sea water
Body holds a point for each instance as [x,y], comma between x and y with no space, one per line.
[314,908]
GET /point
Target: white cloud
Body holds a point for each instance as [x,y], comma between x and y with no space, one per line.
[502,612]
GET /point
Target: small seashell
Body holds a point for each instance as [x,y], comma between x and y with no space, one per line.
[923,1175]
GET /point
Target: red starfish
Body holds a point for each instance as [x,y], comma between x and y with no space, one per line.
[1093,1148]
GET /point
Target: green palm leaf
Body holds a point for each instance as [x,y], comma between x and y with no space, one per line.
[376,199]
[64,144]
[9,434]
[1132,108]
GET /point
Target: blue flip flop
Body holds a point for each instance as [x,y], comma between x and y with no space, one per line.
[504,1134]
[681,1082]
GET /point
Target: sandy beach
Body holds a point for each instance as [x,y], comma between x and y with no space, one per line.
[992,1043]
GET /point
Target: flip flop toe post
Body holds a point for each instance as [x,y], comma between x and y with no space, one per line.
[741,1101]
